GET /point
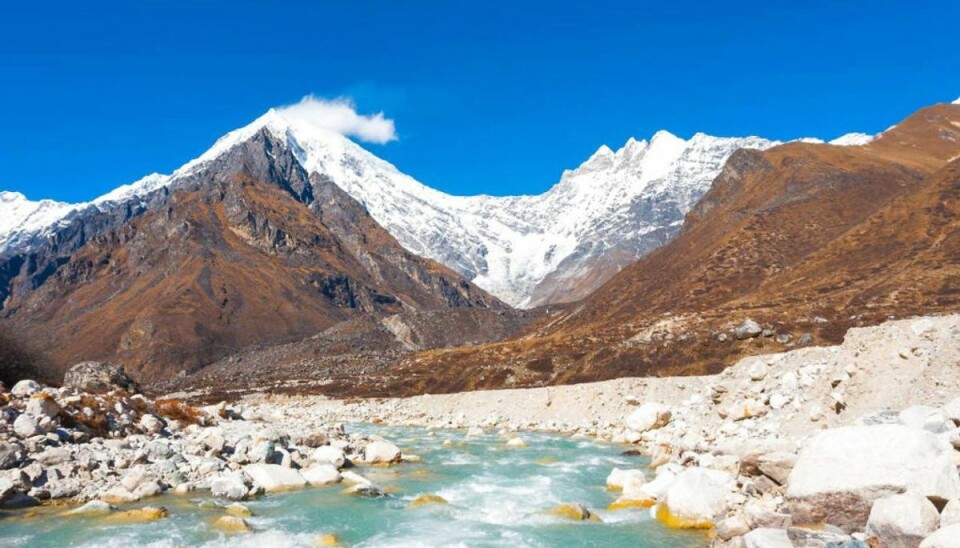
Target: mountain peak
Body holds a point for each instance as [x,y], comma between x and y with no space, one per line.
[601,159]
[9,197]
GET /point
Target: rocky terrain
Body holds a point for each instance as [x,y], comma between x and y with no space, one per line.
[849,445]
[96,440]
[853,445]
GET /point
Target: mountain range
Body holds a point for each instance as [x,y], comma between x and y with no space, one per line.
[287,251]
[805,239]
[526,250]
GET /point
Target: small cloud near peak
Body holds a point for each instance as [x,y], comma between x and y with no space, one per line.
[340,116]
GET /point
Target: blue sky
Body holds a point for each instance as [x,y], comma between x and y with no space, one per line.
[494,97]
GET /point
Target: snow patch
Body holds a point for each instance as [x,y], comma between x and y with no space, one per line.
[853,139]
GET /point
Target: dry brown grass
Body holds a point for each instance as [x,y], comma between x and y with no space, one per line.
[177,410]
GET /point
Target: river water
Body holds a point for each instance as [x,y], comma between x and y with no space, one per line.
[497,496]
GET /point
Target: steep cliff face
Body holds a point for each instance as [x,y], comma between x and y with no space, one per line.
[246,249]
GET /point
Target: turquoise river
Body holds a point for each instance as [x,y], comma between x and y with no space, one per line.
[497,495]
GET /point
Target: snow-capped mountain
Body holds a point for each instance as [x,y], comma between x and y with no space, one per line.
[526,250]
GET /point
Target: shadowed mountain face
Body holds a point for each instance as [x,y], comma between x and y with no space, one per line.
[805,238]
[247,251]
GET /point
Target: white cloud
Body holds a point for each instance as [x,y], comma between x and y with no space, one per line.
[340,115]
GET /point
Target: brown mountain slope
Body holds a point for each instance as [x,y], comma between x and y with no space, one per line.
[809,239]
[250,253]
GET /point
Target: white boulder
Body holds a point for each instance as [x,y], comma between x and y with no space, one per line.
[648,416]
[757,370]
[321,474]
[151,424]
[731,527]
[41,405]
[381,452]
[695,498]
[273,477]
[229,485]
[619,478]
[841,472]
[327,454]
[902,521]
[26,426]
[948,537]
[25,388]
[354,478]
[925,418]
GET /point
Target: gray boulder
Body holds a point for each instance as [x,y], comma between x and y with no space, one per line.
[99,378]
[749,329]
[10,455]
[25,388]
[229,485]
[26,426]
[42,405]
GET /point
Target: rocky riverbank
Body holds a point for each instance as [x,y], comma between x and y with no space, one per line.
[829,446]
[853,445]
[94,441]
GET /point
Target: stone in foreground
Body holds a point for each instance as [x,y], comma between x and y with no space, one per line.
[948,537]
[902,521]
[841,472]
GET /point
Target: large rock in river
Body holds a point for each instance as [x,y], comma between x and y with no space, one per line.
[841,472]
[273,477]
[381,452]
[99,378]
[695,499]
